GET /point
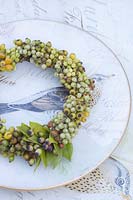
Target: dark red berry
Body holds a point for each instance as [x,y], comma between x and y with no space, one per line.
[54,133]
[61,145]
[50,124]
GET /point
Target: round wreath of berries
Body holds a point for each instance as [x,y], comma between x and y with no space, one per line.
[47,143]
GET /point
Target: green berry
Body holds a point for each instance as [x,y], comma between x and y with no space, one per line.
[5,143]
[3,129]
[27,47]
[27,41]
[67,135]
[79,95]
[11,158]
[26,156]
[62,135]
[3,120]
[31,162]
[61,126]
[65,141]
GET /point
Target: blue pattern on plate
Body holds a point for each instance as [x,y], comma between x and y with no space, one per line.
[51,99]
[123,178]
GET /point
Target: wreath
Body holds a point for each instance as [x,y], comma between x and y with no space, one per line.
[47,142]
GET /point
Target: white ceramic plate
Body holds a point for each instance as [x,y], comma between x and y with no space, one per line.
[104,128]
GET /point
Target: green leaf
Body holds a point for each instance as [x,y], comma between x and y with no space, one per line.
[52,140]
[67,151]
[23,129]
[38,161]
[58,149]
[26,139]
[34,139]
[46,128]
[44,158]
[36,127]
[53,160]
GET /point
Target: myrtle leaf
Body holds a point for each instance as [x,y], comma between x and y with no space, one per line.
[53,160]
[67,151]
[34,139]
[24,129]
[38,161]
[46,128]
[44,158]
[36,127]
[52,140]
[57,149]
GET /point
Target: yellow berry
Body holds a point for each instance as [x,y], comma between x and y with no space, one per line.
[11,129]
[2,46]
[2,55]
[18,42]
[66,111]
[72,92]
[8,61]
[72,56]
[73,115]
[2,63]
[1,137]
[86,114]
[79,115]
[9,67]
[83,119]
[8,135]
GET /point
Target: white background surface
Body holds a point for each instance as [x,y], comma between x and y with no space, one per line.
[110,20]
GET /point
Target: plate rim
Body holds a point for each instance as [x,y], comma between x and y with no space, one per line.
[129,112]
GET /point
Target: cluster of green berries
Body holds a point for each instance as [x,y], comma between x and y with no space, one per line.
[13,142]
[69,69]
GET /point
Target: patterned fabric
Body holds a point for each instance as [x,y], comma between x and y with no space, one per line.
[110,181]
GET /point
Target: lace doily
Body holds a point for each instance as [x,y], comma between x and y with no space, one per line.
[93,182]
